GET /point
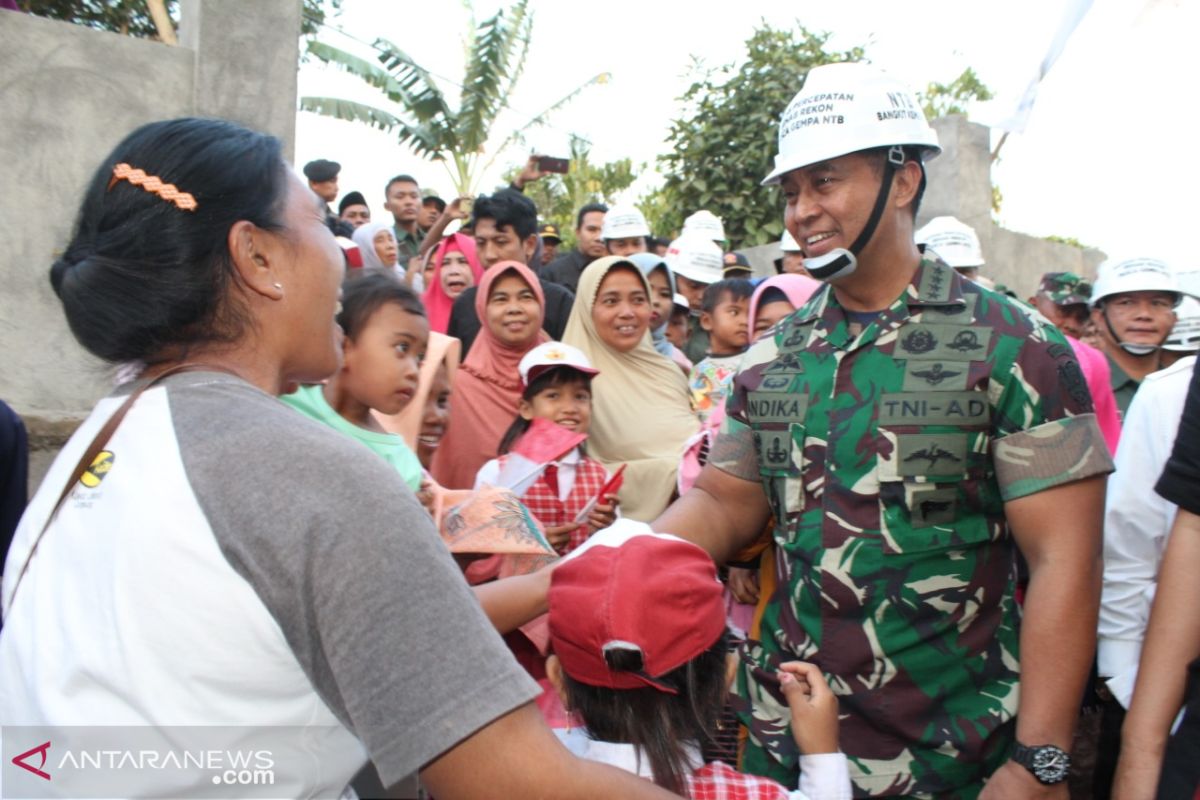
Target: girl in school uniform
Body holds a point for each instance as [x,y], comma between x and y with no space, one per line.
[556,382]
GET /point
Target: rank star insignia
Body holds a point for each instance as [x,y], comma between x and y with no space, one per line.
[919,342]
[932,454]
[935,374]
[964,341]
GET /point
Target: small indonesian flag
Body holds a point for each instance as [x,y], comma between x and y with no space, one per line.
[544,443]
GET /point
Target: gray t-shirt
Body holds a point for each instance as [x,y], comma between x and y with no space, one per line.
[262,570]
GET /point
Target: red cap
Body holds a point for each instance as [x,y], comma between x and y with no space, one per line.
[656,594]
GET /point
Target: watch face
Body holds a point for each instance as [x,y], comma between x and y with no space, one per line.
[1050,764]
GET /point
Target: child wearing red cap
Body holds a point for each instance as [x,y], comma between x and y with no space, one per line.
[637,632]
[556,379]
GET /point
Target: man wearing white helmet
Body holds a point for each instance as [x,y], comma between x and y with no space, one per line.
[1133,306]
[955,243]
[706,224]
[625,231]
[696,262]
[792,260]
[1184,339]
[898,427]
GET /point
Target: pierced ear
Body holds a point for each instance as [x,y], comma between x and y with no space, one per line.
[554,674]
[251,253]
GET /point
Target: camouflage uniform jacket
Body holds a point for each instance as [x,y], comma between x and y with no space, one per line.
[887,457]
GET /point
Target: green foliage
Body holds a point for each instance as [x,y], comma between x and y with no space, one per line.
[559,197]
[725,141]
[422,115]
[132,17]
[1067,240]
[943,99]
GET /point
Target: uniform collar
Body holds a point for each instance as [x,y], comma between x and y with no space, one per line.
[934,284]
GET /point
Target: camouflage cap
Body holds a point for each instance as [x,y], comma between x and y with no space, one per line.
[1065,288]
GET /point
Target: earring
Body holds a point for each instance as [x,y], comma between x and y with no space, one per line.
[278,286]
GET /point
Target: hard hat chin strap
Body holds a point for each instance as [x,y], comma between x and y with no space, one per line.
[840,262]
[1132,349]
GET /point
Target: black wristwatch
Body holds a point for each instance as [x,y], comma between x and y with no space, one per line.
[1049,764]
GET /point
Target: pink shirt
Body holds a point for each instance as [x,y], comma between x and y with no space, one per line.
[1095,371]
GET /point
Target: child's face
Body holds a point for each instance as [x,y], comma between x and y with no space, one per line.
[385,247]
[677,328]
[513,313]
[769,314]
[568,404]
[456,274]
[661,298]
[726,325]
[621,312]
[382,361]
[437,414]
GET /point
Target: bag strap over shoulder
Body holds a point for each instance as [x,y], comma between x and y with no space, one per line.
[98,443]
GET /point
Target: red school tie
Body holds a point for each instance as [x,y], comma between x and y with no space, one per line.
[551,475]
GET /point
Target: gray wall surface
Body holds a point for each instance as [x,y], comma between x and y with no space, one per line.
[69,94]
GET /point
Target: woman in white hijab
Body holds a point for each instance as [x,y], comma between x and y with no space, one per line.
[377,243]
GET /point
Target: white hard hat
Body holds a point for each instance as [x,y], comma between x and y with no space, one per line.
[1133,275]
[705,223]
[954,242]
[624,222]
[550,355]
[1185,336]
[788,243]
[696,258]
[844,108]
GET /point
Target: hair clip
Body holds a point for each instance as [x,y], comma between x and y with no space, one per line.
[154,185]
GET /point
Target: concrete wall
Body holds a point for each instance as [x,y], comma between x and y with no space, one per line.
[69,94]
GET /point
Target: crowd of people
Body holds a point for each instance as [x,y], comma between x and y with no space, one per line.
[872,526]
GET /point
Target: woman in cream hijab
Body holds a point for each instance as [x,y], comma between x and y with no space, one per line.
[641,414]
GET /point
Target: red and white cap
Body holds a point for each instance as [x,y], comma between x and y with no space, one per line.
[550,355]
[654,595]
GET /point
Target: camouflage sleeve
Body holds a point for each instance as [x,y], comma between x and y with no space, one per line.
[733,451]
[1046,432]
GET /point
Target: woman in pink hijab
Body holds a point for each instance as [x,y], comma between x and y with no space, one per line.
[455,269]
[776,298]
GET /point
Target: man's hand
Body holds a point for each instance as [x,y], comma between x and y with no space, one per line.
[530,172]
[1014,782]
[457,209]
[744,584]
[814,707]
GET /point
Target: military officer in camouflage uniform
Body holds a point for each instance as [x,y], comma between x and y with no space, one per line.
[907,429]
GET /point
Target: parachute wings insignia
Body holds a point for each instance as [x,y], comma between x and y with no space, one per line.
[936,374]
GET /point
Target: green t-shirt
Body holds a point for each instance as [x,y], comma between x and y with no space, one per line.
[310,401]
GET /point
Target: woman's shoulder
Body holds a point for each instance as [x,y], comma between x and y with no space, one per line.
[230,426]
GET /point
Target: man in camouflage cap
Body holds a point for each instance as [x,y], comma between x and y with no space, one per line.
[898,427]
[1062,298]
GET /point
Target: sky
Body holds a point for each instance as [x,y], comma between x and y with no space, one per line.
[1105,157]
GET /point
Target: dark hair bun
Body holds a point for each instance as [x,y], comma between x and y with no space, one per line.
[142,276]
